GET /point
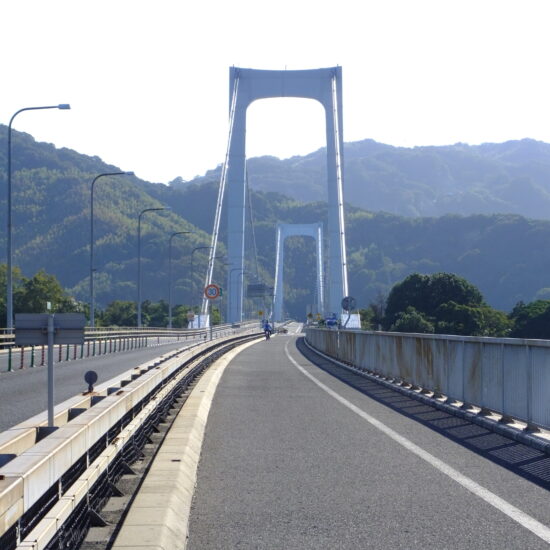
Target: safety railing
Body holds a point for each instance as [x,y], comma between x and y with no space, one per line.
[7,337]
[508,376]
[102,341]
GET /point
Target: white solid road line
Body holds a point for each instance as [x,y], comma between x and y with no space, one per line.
[537,528]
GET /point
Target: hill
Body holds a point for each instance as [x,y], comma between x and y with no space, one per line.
[511,177]
[506,256]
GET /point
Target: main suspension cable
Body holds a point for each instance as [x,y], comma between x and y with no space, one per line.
[221,192]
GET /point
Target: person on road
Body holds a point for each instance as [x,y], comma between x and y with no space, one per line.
[267,330]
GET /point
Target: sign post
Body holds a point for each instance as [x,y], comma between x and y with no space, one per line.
[32,329]
[348,304]
[212,292]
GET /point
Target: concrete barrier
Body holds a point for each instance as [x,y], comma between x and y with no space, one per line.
[38,470]
[506,375]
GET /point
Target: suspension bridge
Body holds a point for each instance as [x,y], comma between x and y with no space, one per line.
[315,438]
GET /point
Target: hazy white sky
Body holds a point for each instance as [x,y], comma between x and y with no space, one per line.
[148,80]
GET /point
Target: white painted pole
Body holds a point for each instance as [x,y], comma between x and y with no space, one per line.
[50,371]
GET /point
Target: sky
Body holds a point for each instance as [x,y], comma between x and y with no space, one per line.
[148,81]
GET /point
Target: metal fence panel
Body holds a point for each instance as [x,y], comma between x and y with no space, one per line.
[362,355]
[491,377]
[472,373]
[440,365]
[424,364]
[515,389]
[540,387]
[454,388]
[347,346]
[390,356]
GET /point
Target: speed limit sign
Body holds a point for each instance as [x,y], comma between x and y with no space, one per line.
[212,291]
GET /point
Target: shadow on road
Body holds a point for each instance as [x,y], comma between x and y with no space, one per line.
[521,459]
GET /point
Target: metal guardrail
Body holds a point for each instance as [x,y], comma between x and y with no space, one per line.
[508,376]
[104,340]
[7,338]
[72,468]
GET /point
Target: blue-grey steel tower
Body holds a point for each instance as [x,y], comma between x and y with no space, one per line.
[325,86]
[285,230]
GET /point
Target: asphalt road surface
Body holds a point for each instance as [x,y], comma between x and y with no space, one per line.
[296,458]
[24,392]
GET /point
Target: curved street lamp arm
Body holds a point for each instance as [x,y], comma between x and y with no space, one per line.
[139,257]
[9,281]
[92,269]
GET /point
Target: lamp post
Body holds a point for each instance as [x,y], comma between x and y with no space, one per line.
[9,301]
[170,274]
[139,259]
[223,302]
[92,269]
[243,271]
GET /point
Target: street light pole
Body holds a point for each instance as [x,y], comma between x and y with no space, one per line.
[139,259]
[92,269]
[223,303]
[170,274]
[9,301]
[243,271]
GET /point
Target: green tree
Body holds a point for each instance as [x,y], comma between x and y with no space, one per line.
[120,313]
[496,322]
[373,316]
[412,320]
[367,319]
[33,294]
[443,303]
[16,281]
[531,320]
[427,293]
[215,316]
[411,292]
[448,287]
[154,314]
[453,318]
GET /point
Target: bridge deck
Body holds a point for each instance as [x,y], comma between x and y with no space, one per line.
[294,457]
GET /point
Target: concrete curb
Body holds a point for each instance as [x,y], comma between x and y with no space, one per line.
[159,516]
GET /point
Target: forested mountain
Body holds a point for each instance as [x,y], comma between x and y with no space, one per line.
[51,224]
[506,256]
[511,177]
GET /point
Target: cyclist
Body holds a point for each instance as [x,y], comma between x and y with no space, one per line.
[267,330]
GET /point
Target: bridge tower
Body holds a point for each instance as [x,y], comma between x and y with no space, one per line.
[285,230]
[246,86]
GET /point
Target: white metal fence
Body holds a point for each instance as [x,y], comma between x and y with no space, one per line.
[507,375]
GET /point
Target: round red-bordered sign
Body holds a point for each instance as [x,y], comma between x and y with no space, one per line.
[212,291]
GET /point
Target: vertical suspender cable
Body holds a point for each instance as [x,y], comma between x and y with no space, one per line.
[251,217]
[221,191]
[339,185]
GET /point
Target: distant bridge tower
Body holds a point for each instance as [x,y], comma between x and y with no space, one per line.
[246,86]
[285,230]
